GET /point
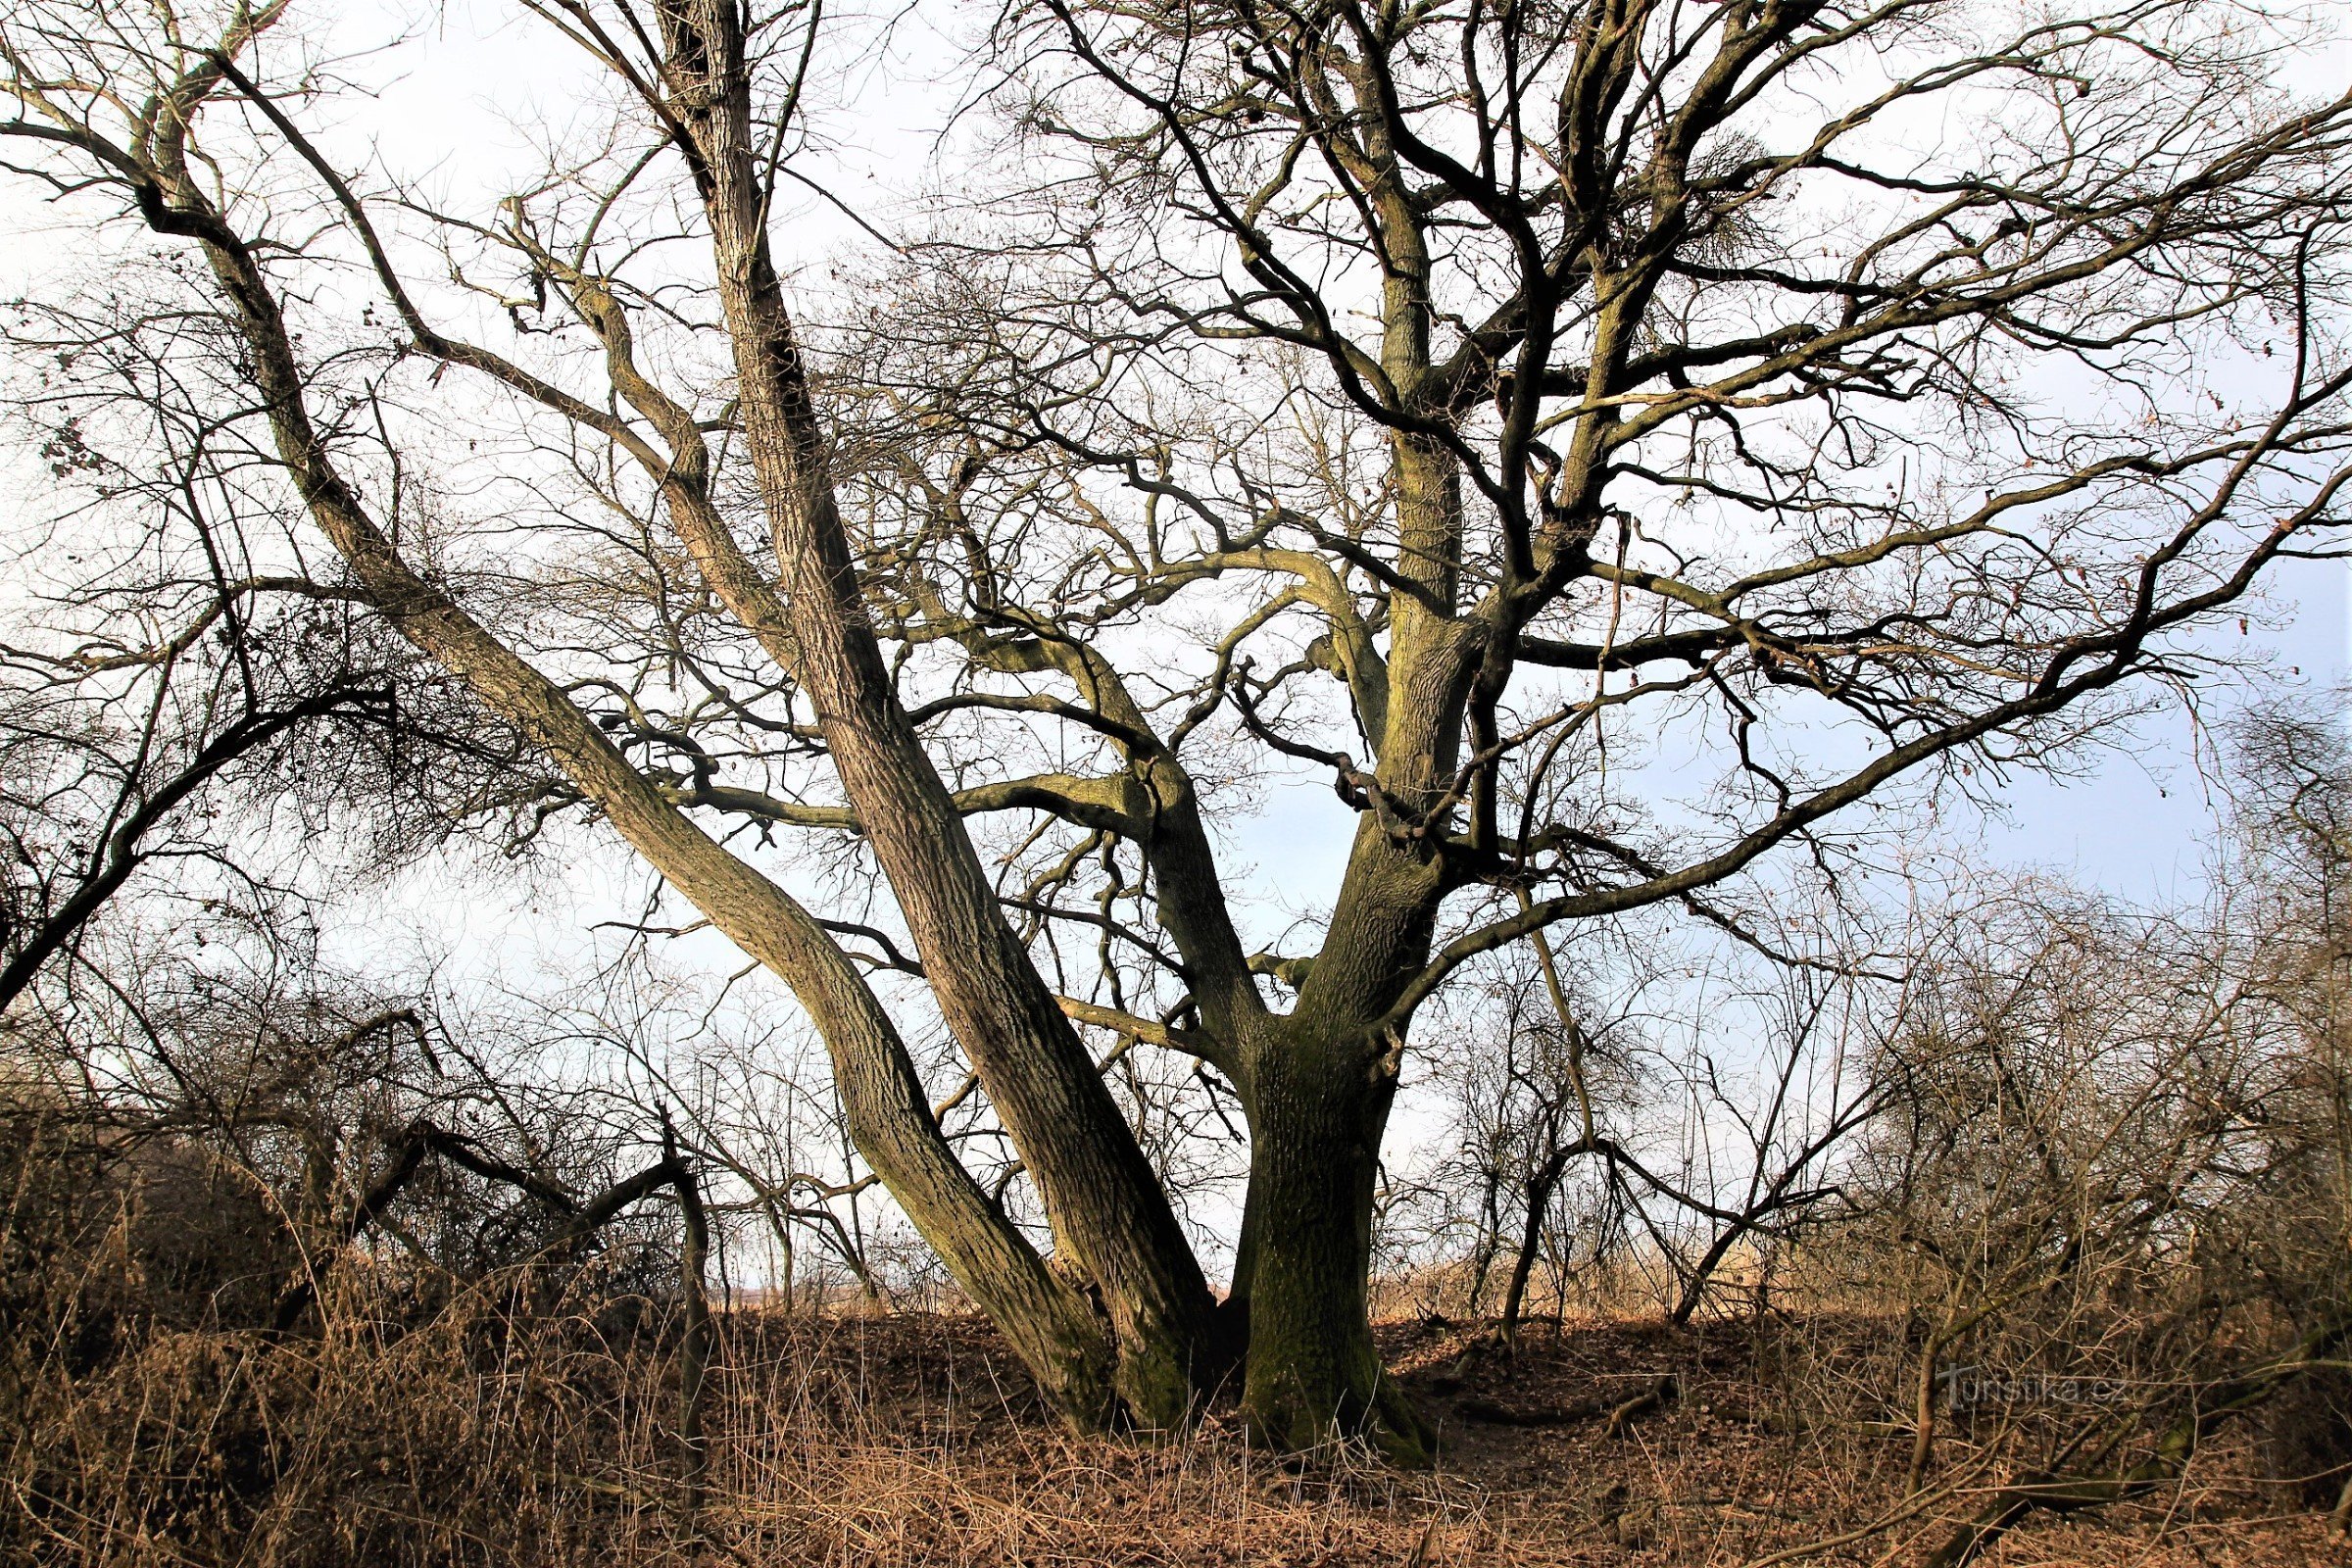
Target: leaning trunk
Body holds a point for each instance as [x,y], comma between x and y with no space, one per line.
[1540,1188]
[1108,1213]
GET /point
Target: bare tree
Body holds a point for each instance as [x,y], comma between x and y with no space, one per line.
[1445,400]
[176,690]
[2100,1120]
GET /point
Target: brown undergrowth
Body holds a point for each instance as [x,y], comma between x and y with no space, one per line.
[915,1439]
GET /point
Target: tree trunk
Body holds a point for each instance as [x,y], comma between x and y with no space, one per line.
[695,1341]
[1049,1322]
[1312,1373]
[1540,1188]
[1106,1207]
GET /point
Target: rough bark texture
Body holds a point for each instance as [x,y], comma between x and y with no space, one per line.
[1105,1203]
[1047,1321]
[1313,1374]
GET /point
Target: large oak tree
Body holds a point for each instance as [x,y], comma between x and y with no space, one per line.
[1450,400]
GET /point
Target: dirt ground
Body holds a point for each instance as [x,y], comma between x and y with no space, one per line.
[913,1441]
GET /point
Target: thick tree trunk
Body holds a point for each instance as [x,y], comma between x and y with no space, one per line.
[1312,1373]
[1049,1322]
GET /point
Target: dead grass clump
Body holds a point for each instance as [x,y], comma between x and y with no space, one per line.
[464,1438]
[474,1437]
[158,1413]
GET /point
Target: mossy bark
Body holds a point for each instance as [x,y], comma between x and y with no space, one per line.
[1311,1373]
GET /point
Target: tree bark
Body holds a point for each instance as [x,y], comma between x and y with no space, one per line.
[1540,1189]
[696,1337]
[1050,1324]
[1101,1194]
[1312,1372]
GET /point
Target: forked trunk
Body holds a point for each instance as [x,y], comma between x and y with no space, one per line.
[1540,1188]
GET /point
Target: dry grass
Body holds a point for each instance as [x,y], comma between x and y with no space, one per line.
[911,1440]
[914,1438]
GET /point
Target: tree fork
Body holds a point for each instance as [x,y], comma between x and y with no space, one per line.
[1049,1323]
